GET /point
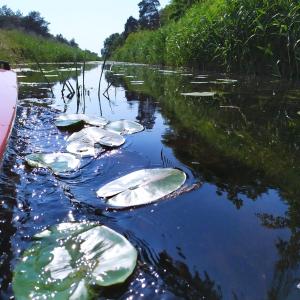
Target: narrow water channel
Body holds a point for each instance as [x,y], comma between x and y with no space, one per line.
[233,234]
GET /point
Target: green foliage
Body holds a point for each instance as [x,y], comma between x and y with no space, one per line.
[237,35]
[17,46]
[149,15]
[31,23]
[111,43]
[69,260]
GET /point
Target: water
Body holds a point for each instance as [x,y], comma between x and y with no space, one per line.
[234,234]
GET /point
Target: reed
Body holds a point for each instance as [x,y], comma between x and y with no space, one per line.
[249,36]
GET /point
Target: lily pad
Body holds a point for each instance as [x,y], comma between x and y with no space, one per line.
[57,162]
[142,187]
[67,260]
[124,127]
[226,80]
[86,141]
[71,120]
[137,82]
[199,82]
[199,94]
[84,146]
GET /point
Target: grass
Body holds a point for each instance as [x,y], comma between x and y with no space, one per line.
[19,47]
[251,36]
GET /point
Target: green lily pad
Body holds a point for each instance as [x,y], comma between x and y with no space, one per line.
[87,141]
[67,260]
[124,127]
[142,187]
[70,120]
[199,94]
[57,162]
[84,146]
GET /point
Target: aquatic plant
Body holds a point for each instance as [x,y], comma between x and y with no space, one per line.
[124,127]
[68,260]
[141,187]
[57,162]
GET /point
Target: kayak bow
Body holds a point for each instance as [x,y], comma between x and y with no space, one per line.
[8,103]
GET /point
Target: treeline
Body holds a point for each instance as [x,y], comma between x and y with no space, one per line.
[150,18]
[31,23]
[251,36]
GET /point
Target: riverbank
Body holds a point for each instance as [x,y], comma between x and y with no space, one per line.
[19,47]
[248,36]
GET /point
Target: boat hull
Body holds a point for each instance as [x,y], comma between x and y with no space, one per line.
[8,104]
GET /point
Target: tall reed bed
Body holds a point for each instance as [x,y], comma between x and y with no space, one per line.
[252,36]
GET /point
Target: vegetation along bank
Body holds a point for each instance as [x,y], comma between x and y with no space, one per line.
[250,36]
[27,38]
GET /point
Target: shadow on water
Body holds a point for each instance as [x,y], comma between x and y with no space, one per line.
[234,236]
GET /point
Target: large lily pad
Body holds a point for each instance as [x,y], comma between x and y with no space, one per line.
[66,260]
[57,162]
[70,120]
[142,187]
[124,127]
[88,140]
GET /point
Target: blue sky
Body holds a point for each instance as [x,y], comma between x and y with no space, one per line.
[88,21]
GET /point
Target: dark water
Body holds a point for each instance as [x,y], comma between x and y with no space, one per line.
[234,235]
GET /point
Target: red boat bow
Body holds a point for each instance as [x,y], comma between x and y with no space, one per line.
[8,103]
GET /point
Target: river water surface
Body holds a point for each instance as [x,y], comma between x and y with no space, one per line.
[234,233]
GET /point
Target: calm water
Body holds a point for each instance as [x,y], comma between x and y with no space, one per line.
[234,235]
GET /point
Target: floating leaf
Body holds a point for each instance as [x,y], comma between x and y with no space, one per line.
[225,80]
[142,187]
[201,76]
[199,94]
[199,82]
[69,120]
[137,82]
[84,146]
[124,127]
[66,260]
[86,142]
[57,162]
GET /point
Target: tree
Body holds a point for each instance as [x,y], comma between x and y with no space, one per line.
[36,23]
[111,43]
[149,15]
[131,25]
[72,43]
[9,19]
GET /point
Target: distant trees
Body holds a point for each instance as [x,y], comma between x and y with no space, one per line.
[149,14]
[111,43]
[36,23]
[33,22]
[149,18]
[131,25]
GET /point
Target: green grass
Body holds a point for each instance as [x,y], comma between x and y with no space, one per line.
[18,47]
[251,36]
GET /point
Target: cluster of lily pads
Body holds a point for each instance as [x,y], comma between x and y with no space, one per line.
[68,260]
